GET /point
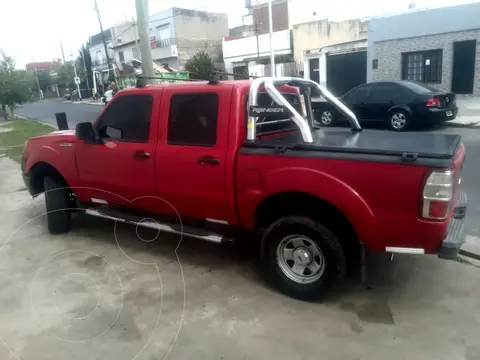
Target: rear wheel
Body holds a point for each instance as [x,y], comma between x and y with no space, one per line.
[326,118]
[302,257]
[58,203]
[399,120]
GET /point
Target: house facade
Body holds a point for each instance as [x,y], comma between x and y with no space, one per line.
[440,47]
[334,54]
[176,34]
[247,49]
[98,55]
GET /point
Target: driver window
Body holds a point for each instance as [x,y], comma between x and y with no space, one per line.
[127,119]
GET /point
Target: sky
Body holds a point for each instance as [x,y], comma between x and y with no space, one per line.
[37,32]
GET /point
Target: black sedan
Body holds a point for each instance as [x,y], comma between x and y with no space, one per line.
[399,104]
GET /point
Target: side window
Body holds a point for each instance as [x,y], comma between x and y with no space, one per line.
[384,93]
[127,119]
[358,95]
[193,119]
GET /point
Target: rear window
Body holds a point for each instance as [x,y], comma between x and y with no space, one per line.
[274,124]
[419,88]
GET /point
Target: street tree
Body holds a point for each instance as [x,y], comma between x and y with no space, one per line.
[15,85]
[65,75]
[200,66]
[84,62]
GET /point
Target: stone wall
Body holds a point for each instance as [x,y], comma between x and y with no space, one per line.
[389,56]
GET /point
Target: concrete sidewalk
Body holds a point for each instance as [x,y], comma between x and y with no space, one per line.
[88,102]
[468,112]
[465,121]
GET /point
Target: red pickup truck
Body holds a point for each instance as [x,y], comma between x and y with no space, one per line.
[237,159]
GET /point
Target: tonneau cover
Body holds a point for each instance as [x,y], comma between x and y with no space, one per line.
[423,145]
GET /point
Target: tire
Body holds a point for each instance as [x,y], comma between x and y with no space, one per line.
[399,120]
[57,201]
[326,118]
[295,242]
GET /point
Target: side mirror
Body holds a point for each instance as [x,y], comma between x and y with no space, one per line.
[84,131]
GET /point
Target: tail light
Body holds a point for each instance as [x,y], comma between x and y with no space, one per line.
[438,195]
[433,102]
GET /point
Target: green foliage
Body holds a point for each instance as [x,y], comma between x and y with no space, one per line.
[65,76]
[200,66]
[84,54]
[13,141]
[44,79]
[15,85]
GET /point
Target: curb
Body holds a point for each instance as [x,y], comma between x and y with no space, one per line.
[469,254]
[468,126]
[87,103]
[38,121]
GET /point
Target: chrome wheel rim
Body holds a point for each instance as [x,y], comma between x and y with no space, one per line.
[398,121]
[327,118]
[300,259]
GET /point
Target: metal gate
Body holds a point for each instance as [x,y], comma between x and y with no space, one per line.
[463,66]
[345,71]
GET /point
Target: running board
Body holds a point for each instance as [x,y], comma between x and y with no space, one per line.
[153,224]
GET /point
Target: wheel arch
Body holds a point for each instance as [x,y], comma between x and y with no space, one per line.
[37,174]
[405,108]
[300,203]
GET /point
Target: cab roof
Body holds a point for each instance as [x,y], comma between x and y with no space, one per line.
[191,85]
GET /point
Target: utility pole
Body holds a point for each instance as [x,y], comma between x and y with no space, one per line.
[76,76]
[85,68]
[40,94]
[270,27]
[144,34]
[136,40]
[256,29]
[104,41]
[63,54]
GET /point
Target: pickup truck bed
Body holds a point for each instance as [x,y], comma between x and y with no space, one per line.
[426,149]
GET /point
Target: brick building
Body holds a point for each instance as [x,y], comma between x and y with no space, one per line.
[440,47]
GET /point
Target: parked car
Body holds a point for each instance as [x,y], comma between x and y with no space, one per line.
[314,199]
[399,104]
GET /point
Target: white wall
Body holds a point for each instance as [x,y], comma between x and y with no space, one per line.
[246,48]
[101,58]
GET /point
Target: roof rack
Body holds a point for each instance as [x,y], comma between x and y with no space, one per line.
[306,85]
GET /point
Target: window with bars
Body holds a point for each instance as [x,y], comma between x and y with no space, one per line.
[423,66]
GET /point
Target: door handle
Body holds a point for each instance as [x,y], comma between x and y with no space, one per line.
[208,160]
[140,154]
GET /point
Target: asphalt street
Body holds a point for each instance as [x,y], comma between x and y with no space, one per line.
[45,112]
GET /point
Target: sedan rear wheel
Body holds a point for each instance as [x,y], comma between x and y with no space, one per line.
[399,120]
[326,118]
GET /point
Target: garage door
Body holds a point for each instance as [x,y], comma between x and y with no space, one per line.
[345,71]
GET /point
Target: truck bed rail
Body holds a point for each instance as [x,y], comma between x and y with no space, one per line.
[305,126]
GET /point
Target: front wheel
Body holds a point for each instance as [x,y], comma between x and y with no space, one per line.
[302,257]
[399,120]
[58,205]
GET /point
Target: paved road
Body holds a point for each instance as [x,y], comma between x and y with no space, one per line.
[45,111]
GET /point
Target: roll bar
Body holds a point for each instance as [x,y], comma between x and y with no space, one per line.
[305,126]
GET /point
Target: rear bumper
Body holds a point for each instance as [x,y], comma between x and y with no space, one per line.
[456,230]
[435,115]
